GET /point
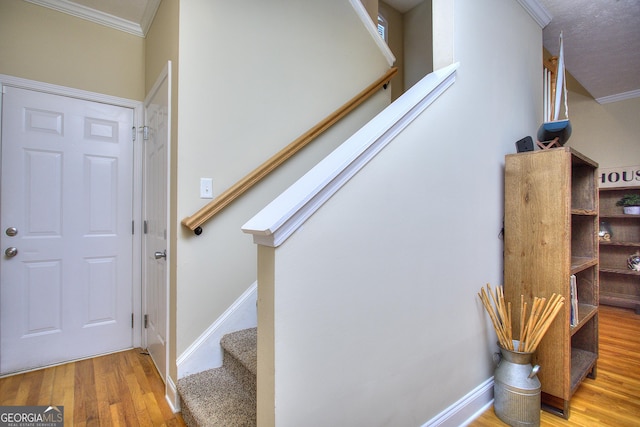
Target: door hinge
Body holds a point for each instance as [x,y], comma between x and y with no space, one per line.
[133,134]
[131,320]
[145,227]
[133,228]
[146,321]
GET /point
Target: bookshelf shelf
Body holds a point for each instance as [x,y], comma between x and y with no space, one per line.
[581,363]
[585,313]
[625,244]
[619,271]
[579,264]
[619,285]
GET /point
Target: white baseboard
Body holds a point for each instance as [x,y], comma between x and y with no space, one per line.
[467,409]
[172,396]
[205,353]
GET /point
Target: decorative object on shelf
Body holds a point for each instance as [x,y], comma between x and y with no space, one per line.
[525,144]
[633,262]
[555,131]
[630,204]
[621,176]
[605,233]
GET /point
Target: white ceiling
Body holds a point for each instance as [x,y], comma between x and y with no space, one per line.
[403,6]
[601,37]
[601,44]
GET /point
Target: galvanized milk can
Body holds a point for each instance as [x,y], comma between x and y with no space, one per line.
[516,389]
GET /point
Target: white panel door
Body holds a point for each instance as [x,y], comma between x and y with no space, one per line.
[66,220]
[155,207]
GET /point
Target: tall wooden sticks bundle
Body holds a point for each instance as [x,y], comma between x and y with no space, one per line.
[500,317]
[531,330]
[540,320]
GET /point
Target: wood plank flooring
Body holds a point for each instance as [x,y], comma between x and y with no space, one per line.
[120,389]
[125,388]
[613,398]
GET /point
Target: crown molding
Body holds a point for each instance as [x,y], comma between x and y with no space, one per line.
[149,15]
[103,18]
[618,97]
[537,11]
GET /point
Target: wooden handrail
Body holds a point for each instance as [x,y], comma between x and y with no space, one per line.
[195,221]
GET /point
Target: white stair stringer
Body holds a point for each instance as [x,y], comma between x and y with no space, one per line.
[206,353]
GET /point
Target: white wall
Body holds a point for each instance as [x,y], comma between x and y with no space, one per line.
[377,319]
[253,76]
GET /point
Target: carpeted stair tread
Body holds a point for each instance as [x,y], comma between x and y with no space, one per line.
[224,396]
[242,345]
[216,398]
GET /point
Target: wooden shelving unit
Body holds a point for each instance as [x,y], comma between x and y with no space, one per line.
[551,233]
[619,286]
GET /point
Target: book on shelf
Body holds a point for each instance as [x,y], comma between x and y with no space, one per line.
[574,301]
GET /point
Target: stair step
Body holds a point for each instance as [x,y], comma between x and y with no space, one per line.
[224,396]
[243,346]
[216,398]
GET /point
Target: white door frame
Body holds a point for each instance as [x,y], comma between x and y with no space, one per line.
[137,107]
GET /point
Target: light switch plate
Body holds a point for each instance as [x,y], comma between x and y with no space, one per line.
[206,188]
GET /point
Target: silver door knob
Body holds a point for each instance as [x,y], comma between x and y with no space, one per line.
[162,254]
[11,231]
[11,252]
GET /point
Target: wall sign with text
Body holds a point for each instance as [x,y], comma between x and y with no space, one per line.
[628,176]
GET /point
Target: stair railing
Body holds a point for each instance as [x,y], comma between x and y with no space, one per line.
[195,221]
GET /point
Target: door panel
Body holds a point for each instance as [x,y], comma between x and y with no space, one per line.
[67,178]
[155,213]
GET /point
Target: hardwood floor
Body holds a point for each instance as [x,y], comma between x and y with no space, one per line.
[613,398]
[125,388]
[120,389]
